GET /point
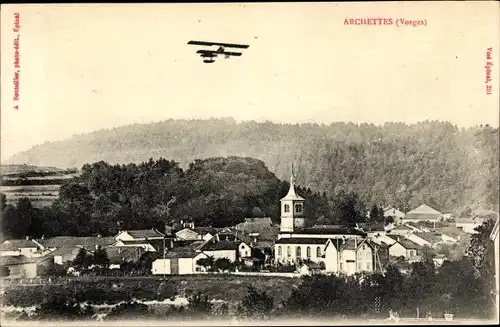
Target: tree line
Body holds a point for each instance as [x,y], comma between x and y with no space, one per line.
[217,192]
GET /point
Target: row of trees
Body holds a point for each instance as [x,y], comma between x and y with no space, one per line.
[216,192]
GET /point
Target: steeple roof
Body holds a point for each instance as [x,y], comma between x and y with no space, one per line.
[291,195]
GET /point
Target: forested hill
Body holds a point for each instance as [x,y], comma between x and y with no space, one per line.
[403,165]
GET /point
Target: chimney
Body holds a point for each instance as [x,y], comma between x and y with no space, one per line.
[27,238]
[97,247]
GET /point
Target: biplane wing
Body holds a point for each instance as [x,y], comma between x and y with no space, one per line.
[225,45]
[210,52]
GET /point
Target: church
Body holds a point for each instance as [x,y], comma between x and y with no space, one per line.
[339,248]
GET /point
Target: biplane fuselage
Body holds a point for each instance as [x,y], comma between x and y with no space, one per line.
[210,55]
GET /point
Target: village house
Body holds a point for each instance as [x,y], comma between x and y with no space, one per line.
[25,247]
[232,250]
[118,255]
[451,234]
[395,213]
[293,250]
[415,228]
[382,238]
[254,225]
[349,256]
[65,254]
[310,268]
[179,261]
[423,213]
[401,230]
[468,225]
[187,234]
[151,240]
[26,267]
[88,243]
[140,235]
[403,247]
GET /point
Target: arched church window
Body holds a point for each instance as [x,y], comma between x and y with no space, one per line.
[318,252]
[298,252]
[288,251]
[279,251]
[298,208]
[308,252]
[287,208]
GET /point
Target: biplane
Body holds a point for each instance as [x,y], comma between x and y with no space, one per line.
[210,55]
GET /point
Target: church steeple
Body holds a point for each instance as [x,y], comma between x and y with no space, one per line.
[292,208]
[292,195]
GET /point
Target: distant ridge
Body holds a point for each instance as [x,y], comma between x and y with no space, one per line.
[429,162]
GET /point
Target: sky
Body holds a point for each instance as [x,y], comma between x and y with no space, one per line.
[88,67]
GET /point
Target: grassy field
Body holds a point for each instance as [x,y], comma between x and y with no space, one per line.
[39,184]
[40,195]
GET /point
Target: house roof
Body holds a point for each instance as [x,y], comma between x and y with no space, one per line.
[401,227]
[431,237]
[65,250]
[8,247]
[451,231]
[119,254]
[406,243]
[411,226]
[21,243]
[222,245]
[292,195]
[392,212]
[259,221]
[89,243]
[182,253]
[302,240]
[252,225]
[157,244]
[21,259]
[205,230]
[12,260]
[372,227]
[352,244]
[144,233]
[333,229]
[423,212]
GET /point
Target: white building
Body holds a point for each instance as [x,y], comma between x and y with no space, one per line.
[139,235]
[178,263]
[232,250]
[404,248]
[294,250]
[292,210]
[423,213]
[349,256]
[24,247]
[468,225]
[393,212]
